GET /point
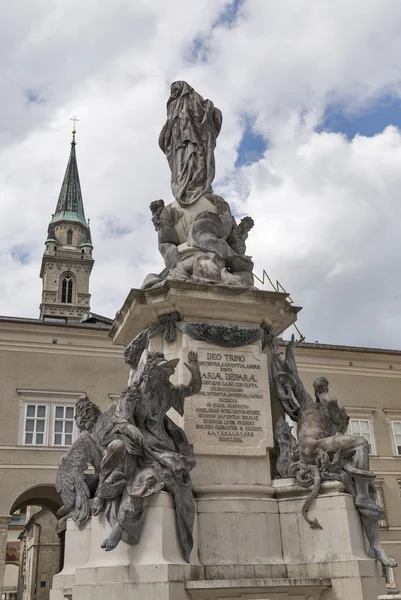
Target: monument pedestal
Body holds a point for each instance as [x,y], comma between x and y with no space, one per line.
[155,568]
[251,541]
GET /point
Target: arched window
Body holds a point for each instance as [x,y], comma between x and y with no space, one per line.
[66,289]
[69,237]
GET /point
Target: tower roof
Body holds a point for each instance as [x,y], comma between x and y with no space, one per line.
[70,206]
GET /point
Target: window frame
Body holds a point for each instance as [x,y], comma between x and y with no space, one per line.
[395,445]
[358,414]
[74,433]
[391,584]
[35,418]
[72,277]
[51,400]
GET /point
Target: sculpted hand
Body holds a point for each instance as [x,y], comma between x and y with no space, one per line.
[193,365]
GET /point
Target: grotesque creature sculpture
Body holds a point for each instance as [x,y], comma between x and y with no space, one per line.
[136,451]
[323,451]
[198,236]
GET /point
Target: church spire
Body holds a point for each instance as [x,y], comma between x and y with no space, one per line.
[70,206]
[67,261]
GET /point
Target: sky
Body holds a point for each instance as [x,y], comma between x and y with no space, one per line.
[310,146]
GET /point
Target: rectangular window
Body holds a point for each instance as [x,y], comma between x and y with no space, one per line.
[388,575]
[48,424]
[35,424]
[380,502]
[397,436]
[64,425]
[363,428]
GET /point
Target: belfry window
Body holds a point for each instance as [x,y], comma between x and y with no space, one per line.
[69,237]
[66,289]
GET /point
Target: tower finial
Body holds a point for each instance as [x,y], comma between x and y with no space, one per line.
[74,131]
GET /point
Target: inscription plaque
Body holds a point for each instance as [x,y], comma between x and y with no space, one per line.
[231,415]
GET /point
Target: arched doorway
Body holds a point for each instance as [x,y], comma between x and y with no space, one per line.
[44,495]
[41,553]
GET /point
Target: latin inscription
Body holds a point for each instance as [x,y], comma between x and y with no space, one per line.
[231,405]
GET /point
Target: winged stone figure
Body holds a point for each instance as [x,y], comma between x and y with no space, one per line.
[136,451]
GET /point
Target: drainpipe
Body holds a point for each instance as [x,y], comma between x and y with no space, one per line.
[37,563]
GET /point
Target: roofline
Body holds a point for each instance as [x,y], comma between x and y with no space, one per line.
[339,347]
[31,321]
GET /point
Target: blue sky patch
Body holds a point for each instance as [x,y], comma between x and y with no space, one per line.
[368,122]
[252,146]
[20,254]
[198,50]
[33,96]
[229,14]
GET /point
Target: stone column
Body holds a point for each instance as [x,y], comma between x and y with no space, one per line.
[4,521]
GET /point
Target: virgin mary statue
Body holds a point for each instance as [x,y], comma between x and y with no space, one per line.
[188,140]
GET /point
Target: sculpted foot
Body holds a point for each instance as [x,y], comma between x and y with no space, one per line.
[386,559]
[114,538]
[97,506]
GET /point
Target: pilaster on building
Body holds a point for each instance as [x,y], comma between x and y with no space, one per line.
[67,260]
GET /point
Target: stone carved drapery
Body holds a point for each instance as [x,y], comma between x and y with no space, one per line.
[198,236]
[136,451]
[188,140]
[225,336]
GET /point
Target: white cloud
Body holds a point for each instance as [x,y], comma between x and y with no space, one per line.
[326,208]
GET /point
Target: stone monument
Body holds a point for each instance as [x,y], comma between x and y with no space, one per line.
[138,527]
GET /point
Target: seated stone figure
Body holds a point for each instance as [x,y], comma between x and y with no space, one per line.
[136,451]
[198,236]
[324,450]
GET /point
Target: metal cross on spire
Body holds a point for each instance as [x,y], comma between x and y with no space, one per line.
[74,120]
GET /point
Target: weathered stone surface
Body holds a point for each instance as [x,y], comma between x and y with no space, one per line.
[198,236]
[230,415]
[136,451]
[201,303]
[188,140]
[324,451]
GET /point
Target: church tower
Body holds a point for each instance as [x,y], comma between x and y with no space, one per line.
[67,260]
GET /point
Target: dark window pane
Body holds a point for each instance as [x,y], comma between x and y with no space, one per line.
[28,438]
[40,426]
[68,427]
[68,439]
[29,425]
[59,412]
[39,438]
[30,411]
[58,426]
[57,439]
[64,291]
[41,412]
[69,412]
[69,291]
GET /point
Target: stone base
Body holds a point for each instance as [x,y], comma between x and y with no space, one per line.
[157,561]
[76,555]
[337,551]
[234,527]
